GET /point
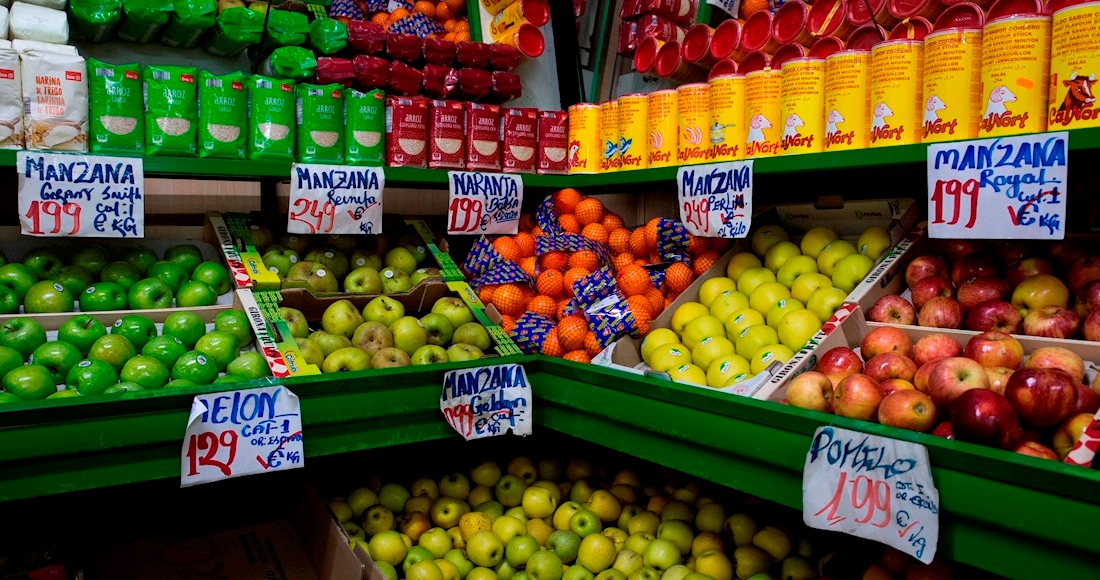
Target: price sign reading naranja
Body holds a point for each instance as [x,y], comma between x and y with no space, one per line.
[483,203]
[335,199]
[716,199]
[241,433]
[90,196]
[872,487]
[1004,188]
[487,401]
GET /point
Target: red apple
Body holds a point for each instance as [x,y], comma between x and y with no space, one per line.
[840,361]
[811,390]
[858,397]
[995,315]
[924,376]
[998,378]
[928,288]
[889,365]
[1087,400]
[1012,251]
[924,266]
[995,349]
[934,347]
[978,290]
[885,339]
[1035,449]
[1042,397]
[890,385]
[1064,252]
[1015,273]
[984,417]
[952,377]
[1067,434]
[941,312]
[1088,298]
[944,430]
[1092,326]
[1040,290]
[973,266]
[1052,322]
[1056,357]
[956,249]
[908,409]
[892,309]
[1082,271]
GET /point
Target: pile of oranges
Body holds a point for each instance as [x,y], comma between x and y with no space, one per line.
[553,274]
[449,14]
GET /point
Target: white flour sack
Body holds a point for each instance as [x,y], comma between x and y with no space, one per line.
[31,22]
[55,101]
[11,101]
[4,22]
[55,4]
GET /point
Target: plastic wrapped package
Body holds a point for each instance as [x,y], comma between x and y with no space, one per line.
[473,54]
[404,80]
[371,72]
[328,36]
[171,110]
[331,69]
[190,20]
[504,57]
[290,62]
[366,37]
[438,51]
[270,119]
[440,81]
[31,22]
[143,19]
[55,99]
[285,28]
[94,20]
[235,30]
[116,108]
[223,115]
[320,124]
[474,84]
[404,47]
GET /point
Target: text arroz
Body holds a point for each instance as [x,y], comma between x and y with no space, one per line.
[487,401]
[872,487]
[335,199]
[1006,188]
[241,433]
[81,195]
[483,203]
[716,199]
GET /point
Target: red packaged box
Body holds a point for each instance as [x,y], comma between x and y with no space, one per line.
[474,84]
[504,57]
[483,137]
[438,51]
[446,135]
[506,86]
[473,54]
[553,139]
[633,32]
[371,72]
[520,125]
[335,70]
[404,79]
[366,37]
[681,12]
[440,81]
[406,131]
[404,47]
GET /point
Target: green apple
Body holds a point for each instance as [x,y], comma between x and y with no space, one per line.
[685,313]
[781,309]
[439,327]
[389,358]
[81,331]
[439,544]
[409,334]
[310,351]
[328,342]
[195,367]
[752,278]
[727,370]
[91,377]
[628,562]
[295,242]
[824,301]
[58,357]
[312,276]
[767,295]
[146,371]
[509,489]
[461,562]
[484,548]
[186,256]
[416,554]
[213,275]
[797,328]
[446,511]
[348,358]
[767,355]
[455,485]
[577,572]
[47,296]
[235,322]
[45,263]
[22,334]
[850,270]
[75,279]
[186,326]
[394,281]
[742,319]
[341,318]
[65,394]
[638,541]
[166,349]
[816,239]
[711,349]
[416,249]
[371,337]
[454,309]
[518,548]
[711,289]
[228,378]
[727,303]
[428,354]
[6,398]
[793,268]
[491,508]
[122,273]
[383,309]
[170,273]
[295,321]
[739,263]
[656,338]
[250,365]
[9,300]
[279,259]
[332,259]
[502,571]
[564,543]
[544,565]
[364,280]
[387,546]
[393,496]
[113,349]
[220,346]
[92,258]
[123,388]
[194,294]
[779,253]
[832,254]
[422,274]
[140,257]
[400,259]
[363,258]
[9,359]
[486,473]
[459,351]
[661,554]
[138,329]
[873,242]
[472,333]
[669,356]
[804,286]
[688,373]
[30,382]
[765,237]
[753,339]
[260,236]
[102,297]
[17,277]
[703,327]
[584,523]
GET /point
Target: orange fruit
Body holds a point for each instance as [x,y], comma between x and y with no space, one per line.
[622,260]
[526,222]
[551,283]
[510,299]
[578,355]
[554,261]
[537,232]
[381,18]
[642,262]
[571,332]
[398,14]
[703,262]
[670,298]
[678,277]
[507,248]
[443,14]
[566,200]
[526,244]
[572,276]
[462,24]
[619,240]
[697,244]
[508,323]
[591,344]
[449,37]
[550,345]
[595,232]
[425,7]
[543,305]
[461,35]
[656,301]
[651,233]
[456,6]
[562,305]
[569,223]
[529,265]
[639,305]
[638,243]
[485,293]
[589,211]
[612,221]
[585,259]
[634,280]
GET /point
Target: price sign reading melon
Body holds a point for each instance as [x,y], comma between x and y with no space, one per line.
[335,199]
[1005,188]
[81,195]
[241,433]
[872,487]
[487,401]
[716,199]
[483,203]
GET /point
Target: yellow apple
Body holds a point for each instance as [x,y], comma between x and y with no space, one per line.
[850,270]
[753,338]
[824,301]
[816,239]
[767,236]
[873,242]
[781,310]
[805,285]
[727,368]
[604,504]
[685,313]
[669,356]
[728,302]
[796,329]
[767,355]
[472,523]
[711,289]
[645,521]
[709,350]
[793,268]
[564,513]
[832,254]
[538,502]
[701,328]
[742,319]
[741,262]
[715,564]
[656,338]
[688,373]
[710,518]
[774,541]
[507,527]
[778,255]
[767,295]
[753,277]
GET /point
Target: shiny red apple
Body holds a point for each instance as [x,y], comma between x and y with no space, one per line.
[995,349]
[1052,322]
[980,289]
[1056,357]
[885,339]
[928,288]
[889,365]
[924,266]
[890,385]
[995,315]
[944,430]
[1087,400]
[934,347]
[973,266]
[954,376]
[986,418]
[1091,326]
[941,312]
[892,309]
[1064,252]
[908,409]
[956,249]
[1088,298]
[1042,397]
[1082,271]
[841,362]
[1012,251]
[857,397]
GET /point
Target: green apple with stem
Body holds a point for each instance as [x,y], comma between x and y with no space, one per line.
[348,358]
[23,334]
[123,388]
[438,543]
[390,357]
[75,279]
[371,337]
[250,365]
[454,309]
[46,297]
[661,554]
[139,330]
[279,259]
[213,274]
[295,321]
[122,273]
[194,294]
[44,262]
[58,357]
[824,301]
[9,300]
[195,367]
[102,297]
[186,326]
[113,349]
[414,555]
[519,548]
[400,259]
[341,318]
[383,309]
[328,342]
[235,322]
[365,259]
[485,548]
[81,331]
[332,259]
[439,327]
[170,273]
[140,257]
[17,277]
[409,334]
[363,280]
[429,354]
[166,349]
[509,490]
[187,256]
[459,352]
[395,281]
[585,522]
[30,382]
[564,543]
[422,274]
[91,377]
[92,258]
[312,276]
[146,371]
[446,511]
[220,346]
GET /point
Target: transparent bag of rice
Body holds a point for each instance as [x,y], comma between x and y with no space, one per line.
[190,19]
[143,19]
[115,108]
[55,101]
[11,101]
[223,115]
[270,119]
[94,20]
[171,110]
[236,29]
[320,117]
[365,127]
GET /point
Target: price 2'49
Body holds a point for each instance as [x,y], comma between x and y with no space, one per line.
[697,212]
[203,450]
[54,214]
[952,194]
[313,213]
[469,211]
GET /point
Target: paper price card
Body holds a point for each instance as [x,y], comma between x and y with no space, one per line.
[487,401]
[483,203]
[716,199]
[872,487]
[241,433]
[89,196]
[1006,188]
[335,199]
[731,7]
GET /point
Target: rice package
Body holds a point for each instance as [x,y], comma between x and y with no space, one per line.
[223,115]
[55,101]
[190,19]
[328,36]
[285,28]
[171,110]
[270,119]
[143,19]
[236,29]
[32,22]
[94,20]
[290,62]
[11,101]
[320,118]
[365,127]
[115,108]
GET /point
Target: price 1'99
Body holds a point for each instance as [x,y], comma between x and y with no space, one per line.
[951,194]
[469,211]
[54,215]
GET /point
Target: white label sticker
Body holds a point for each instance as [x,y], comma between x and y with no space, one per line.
[483,203]
[90,196]
[335,199]
[487,401]
[716,199]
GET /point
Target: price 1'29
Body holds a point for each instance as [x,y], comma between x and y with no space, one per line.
[211,445]
[55,211]
[313,213]
[469,210]
[953,192]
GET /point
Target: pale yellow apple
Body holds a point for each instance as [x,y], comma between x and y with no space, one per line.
[507,527]
[850,270]
[710,518]
[752,339]
[645,521]
[816,239]
[779,253]
[767,295]
[700,328]
[715,564]
[774,541]
[797,328]
[705,541]
[656,338]
[873,242]
[781,309]
[767,236]
[753,277]
[712,288]
[539,529]
[793,268]
[742,319]
[669,356]
[811,390]
[685,313]
[741,527]
[805,285]
[824,301]
[628,562]
[724,369]
[767,355]
[709,350]
[688,373]
[728,302]
[832,254]
[750,561]
[604,504]
[741,262]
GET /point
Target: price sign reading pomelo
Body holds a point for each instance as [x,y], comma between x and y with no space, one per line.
[241,433]
[872,487]
[335,199]
[716,199]
[483,203]
[91,196]
[1001,189]
[487,401]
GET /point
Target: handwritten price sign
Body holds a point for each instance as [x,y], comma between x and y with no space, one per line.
[872,487]
[241,433]
[1007,188]
[335,199]
[483,203]
[81,195]
[716,199]
[487,401]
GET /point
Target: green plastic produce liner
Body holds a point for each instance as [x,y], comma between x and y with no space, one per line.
[115,108]
[270,119]
[94,20]
[290,62]
[320,117]
[223,115]
[171,110]
[143,19]
[328,36]
[189,21]
[364,127]
[286,28]
[235,30]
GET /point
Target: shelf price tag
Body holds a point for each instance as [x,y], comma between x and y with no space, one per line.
[716,199]
[483,203]
[241,433]
[335,199]
[872,487]
[487,401]
[1003,188]
[90,196]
